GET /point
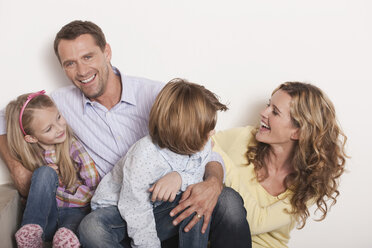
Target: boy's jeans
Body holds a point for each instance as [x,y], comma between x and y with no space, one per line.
[105,227]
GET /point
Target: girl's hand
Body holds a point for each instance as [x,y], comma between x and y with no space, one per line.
[166,188]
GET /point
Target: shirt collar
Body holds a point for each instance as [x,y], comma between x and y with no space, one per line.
[174,158]
[127,95]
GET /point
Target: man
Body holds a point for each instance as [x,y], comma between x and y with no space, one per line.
[108,112]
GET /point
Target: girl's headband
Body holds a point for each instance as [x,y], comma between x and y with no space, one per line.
[29,98]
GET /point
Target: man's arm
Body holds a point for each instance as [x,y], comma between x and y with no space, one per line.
[201,197]
[20,175]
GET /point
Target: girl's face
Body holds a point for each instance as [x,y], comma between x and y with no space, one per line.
[276,125]
[49,128]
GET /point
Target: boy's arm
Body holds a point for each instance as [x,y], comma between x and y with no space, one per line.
[134,202]
[20,175]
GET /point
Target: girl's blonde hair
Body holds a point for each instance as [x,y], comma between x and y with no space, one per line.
[319,155]
[31,154]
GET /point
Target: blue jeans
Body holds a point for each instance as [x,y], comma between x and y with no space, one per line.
[228,227]
[41,207]
[105,227]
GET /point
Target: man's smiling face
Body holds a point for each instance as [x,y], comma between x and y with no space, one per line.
[85,64]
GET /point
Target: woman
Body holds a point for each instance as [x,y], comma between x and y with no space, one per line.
[291,161]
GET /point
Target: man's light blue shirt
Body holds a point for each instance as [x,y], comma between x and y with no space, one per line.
[108,134]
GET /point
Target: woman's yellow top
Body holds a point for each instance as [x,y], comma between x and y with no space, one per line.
[270,224]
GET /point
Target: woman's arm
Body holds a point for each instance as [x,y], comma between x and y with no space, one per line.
[232,146]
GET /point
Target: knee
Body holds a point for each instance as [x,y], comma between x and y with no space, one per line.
[45,175]
[89,227]
[230,206]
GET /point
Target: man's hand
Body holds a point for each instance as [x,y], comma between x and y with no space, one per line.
[200,198]
[166,188]
[20,175]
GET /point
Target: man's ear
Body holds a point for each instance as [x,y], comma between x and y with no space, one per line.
[30,139]
[296,134]
[107,52]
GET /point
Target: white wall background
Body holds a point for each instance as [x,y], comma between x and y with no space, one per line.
[239,49]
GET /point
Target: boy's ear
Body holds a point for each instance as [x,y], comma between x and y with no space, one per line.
[211,133]
[30,139]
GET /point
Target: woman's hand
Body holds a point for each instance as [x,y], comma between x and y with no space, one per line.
[166,188]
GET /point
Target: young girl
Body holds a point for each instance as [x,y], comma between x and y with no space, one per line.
[137,196]
[64,176]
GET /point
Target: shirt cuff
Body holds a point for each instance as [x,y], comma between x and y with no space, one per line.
[216,157]
[2,122]
[185,180]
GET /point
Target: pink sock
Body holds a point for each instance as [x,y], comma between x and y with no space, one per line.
[65,238]
[29,236]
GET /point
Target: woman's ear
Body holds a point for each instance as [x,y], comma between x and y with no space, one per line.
[296,134]
[30,139]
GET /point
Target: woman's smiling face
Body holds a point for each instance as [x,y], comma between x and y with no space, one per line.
[276,123]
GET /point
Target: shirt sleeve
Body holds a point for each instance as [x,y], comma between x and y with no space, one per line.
[88,175]
[189,177]
[134,202]
[107,192]
[2,122]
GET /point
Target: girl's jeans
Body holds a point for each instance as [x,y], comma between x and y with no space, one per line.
[41,207]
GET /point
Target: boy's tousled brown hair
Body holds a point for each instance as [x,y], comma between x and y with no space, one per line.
[183,115]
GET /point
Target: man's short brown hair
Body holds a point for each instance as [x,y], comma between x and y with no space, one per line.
[182,116]
[76,28]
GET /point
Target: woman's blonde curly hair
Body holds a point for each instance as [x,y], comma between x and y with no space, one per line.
[319,155]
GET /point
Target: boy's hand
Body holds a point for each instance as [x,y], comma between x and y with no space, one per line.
[166,188]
